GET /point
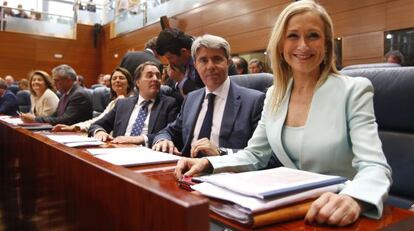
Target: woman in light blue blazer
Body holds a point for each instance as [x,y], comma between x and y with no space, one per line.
[314,119]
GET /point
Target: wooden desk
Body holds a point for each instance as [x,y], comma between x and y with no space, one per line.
[49,186]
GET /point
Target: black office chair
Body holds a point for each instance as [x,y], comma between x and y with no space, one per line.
[23,101]
[259,81]
[394,111]
[101,96]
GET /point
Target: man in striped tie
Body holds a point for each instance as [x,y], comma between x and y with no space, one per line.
[135,119]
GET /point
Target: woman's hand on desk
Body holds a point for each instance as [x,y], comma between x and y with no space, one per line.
[334,209]
[27,117]
[192,167]
[103,136]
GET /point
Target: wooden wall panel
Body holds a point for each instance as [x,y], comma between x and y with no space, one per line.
[334,7]
[22,53]
[245,24]
[363,46]
[360,20]
[248,42]
[400,14]
[223,10]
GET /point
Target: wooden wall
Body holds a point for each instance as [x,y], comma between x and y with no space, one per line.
[245,24]
[21,53]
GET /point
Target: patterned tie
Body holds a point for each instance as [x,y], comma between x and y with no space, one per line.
[139,121]
[61,105]
[205,130]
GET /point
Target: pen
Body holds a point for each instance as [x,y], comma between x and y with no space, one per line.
[18,113]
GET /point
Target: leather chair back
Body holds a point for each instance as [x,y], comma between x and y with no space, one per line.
[259,81]
[101,96]
[23,101]
[370,65]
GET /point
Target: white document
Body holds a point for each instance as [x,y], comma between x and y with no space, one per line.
[132,156]
[254,205]
[75,140]
[85,143]
[65,139]
[271,182]
[14,121]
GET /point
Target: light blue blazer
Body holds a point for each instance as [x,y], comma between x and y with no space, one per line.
[340,138]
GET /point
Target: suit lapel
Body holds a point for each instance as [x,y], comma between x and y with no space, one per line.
[230,112]
[72,91]
[127,114]
[191,117]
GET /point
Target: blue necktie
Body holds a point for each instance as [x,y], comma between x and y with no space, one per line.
[205,130]
[139,121]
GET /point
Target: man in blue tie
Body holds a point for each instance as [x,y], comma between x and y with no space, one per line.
[216,119]
[135,119]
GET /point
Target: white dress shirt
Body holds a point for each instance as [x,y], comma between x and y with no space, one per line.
[134,115]
[219,105]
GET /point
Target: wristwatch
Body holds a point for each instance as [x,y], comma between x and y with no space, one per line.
[222,151]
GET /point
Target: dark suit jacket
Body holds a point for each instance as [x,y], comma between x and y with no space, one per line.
[8,104]
[77,109]
[163,112]
[241,114]
[132,60]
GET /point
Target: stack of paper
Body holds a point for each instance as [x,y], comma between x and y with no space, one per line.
[258,192]
[75,140]
[132,156]
[11,120]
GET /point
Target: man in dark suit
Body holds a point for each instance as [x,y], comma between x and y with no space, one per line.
[218,118]
[8,101]
[75,103]
[132,60]
[136,119]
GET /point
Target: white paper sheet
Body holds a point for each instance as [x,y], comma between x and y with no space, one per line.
[65,139]
[14,121]
[271,182]
[132,156]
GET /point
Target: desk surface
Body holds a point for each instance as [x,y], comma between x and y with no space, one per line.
[53,186]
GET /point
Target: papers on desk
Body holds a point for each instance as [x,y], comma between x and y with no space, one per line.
[254,198]
[132,156]
[268,183]
[75,140]
[10,120]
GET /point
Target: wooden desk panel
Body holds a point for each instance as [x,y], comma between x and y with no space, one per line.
[53,186]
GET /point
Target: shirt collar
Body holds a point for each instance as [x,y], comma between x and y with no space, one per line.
[222,91]
[142,99]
